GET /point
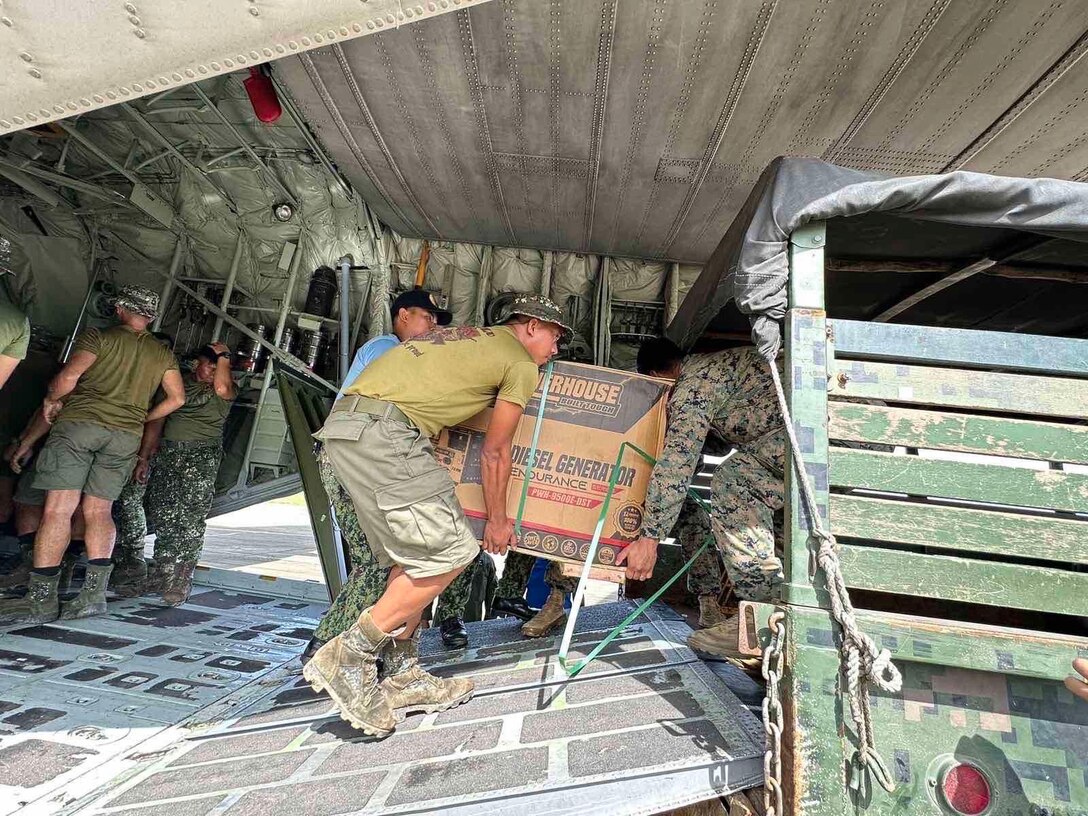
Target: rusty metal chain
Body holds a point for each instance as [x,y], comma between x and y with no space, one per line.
[772,716]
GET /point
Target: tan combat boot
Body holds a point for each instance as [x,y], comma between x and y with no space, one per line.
[551,616]
[723,641]
[411,689]
[347,668]
[710,614]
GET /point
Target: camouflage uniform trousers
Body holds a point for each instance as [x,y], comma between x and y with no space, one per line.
[515,576]
[179,497]
[691,530]
[131,522]
[366,580]
[748,491]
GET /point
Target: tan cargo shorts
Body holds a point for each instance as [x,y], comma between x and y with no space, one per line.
[404,499]
[87,457]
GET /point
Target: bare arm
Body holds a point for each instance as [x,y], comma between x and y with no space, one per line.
[223,382]
[175,396]
[149,446]
[7,365]
[35,429]
[65,382]
[496,462]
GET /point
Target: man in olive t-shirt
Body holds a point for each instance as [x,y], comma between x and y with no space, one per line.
[377,439]
[98,405]
[14,339]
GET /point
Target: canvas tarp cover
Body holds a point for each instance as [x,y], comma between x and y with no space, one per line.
[751,263]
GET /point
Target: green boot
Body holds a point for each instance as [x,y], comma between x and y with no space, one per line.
[129,578]
[91,600]
[409,688]
[177,582]
[40,604]
[20,576]
[347,668]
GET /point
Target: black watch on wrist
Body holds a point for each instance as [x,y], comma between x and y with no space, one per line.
[222,354]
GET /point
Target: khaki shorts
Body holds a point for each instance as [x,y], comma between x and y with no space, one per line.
[87,457]
[404,499]
[25,492]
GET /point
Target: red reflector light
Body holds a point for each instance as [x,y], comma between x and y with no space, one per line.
[966,790]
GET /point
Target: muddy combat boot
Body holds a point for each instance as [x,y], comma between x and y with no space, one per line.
[347,668]
[91,599]
[710,614]
[40,604]
[411,689]
[723,641]
[20,575]
[177,583]
[130,575]
[551,616]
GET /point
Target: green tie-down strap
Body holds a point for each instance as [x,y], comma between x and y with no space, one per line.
[580,592]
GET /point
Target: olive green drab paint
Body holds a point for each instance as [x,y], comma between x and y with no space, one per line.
[305,408]
[973,693]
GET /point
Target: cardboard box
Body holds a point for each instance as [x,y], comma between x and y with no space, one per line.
[590,412]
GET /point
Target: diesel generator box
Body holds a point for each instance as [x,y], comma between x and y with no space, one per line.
[590,412]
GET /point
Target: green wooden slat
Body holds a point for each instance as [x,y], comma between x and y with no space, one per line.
[962,579]
[1017,487]
[921,385]
[1029,353]
[914,428]
[978,647]
[960,528]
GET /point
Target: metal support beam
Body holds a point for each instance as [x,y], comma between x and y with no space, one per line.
[63,180]
[228,288]
[167,145]
[935,287]
[288,105]
[345,317]
[244,144]
[168,285]
[73,131]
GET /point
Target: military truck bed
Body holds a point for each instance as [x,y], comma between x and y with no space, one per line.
[201,709]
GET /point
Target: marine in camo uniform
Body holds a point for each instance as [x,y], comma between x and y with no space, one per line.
[728,396]
[181,486]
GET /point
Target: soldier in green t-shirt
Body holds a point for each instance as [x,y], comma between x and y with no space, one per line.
[377,441]
[14,339]
[98,405]
[185,463]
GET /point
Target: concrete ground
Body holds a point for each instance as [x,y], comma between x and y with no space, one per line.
[275,539]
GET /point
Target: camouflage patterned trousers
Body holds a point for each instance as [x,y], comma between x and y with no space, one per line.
[366,579]
[747,492]
[179,496]
[691,530]
[515,576]
[131,522]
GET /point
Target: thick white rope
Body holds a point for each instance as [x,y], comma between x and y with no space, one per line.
[862,662]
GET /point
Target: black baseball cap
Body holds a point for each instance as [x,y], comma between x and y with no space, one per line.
[422,299]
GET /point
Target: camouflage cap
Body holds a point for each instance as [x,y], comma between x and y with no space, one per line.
[541,308]
[138,300]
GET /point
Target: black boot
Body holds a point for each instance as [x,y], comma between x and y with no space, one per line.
[311,649]
[454,633]
[511,607]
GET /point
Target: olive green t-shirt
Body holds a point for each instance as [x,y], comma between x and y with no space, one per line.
[202,416]
[449,375]
[14,332]
[116,390]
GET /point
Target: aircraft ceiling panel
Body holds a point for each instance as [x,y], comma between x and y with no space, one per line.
[637,128]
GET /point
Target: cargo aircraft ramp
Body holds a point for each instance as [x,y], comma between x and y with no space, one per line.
[201,710]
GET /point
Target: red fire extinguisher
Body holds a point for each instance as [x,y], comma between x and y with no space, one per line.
[262,95]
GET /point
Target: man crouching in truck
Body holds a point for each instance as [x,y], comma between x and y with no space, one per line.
[377,439]
[728,395]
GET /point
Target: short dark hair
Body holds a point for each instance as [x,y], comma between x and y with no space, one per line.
[657,354]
